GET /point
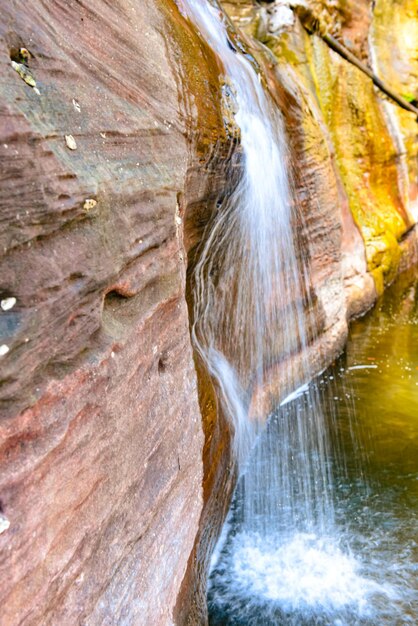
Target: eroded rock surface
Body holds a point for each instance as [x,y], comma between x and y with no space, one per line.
[101,436]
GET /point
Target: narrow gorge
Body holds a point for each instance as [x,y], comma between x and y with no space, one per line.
[199,200]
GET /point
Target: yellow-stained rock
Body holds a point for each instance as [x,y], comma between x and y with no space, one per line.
[394,52]
[374,141]
[366,156]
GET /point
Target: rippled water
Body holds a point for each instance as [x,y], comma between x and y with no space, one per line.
[365,571]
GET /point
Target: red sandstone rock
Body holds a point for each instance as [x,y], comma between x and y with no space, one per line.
[100,432]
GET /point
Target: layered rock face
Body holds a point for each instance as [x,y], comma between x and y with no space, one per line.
[113,152]
[100,432]
[353,150]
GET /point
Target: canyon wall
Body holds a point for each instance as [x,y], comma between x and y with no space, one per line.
[115,144]
[100,431]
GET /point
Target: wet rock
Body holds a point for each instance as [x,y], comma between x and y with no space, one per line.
[370,140]
[104,471]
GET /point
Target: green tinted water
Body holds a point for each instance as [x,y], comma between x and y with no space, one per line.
[379,371]
[386,393]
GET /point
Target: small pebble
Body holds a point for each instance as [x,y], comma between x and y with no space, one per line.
[4,349]
[89,203]
[4,523]
[70,141]
[24,55]
[24,73]
[7,303]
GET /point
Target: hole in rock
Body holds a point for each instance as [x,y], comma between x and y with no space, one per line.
[113,299]
[162,364]
[20,54]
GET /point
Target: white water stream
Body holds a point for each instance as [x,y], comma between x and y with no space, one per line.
[249,291]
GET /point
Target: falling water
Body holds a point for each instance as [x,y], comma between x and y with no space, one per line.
[252,310]
[249,294]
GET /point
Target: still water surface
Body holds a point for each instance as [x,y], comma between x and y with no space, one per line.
[367,571]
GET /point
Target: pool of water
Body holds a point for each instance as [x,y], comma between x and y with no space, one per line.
[363,569]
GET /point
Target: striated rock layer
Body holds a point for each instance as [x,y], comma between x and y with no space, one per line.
[100,432]
[115,144]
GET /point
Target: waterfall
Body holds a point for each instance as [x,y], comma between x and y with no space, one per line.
[252,310]
[249,293]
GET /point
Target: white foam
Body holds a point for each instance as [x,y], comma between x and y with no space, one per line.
[304,572]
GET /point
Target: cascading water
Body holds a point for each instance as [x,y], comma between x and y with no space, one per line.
[280,552]
[249,294]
